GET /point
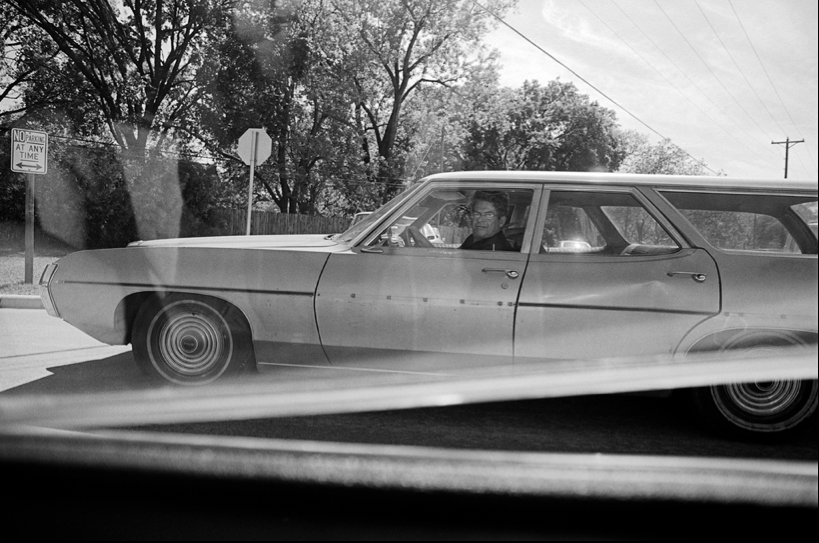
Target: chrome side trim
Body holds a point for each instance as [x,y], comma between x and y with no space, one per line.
[611,308]
[165,286]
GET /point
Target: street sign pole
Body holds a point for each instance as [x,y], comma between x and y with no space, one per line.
[254,138]
[29,264]
[254,148]
[29,155]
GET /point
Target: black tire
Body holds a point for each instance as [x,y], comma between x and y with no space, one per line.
[770,410]
[187,339]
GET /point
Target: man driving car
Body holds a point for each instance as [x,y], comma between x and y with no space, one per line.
[488,212]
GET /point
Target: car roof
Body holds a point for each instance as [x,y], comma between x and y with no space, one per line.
[598,178]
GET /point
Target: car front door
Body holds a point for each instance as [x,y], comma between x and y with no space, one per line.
[397,303]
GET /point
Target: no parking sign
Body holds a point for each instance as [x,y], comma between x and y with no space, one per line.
[29,151]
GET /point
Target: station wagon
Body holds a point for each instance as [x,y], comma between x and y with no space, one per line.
[524,267]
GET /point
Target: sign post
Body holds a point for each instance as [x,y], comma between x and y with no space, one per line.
[254,148]
[29,155]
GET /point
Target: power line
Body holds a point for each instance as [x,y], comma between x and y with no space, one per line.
[767,75]
[739,69]
[694,50]
[606,96]
[761,64]
[580,77]
[692,82]
[656,46]
[716,77]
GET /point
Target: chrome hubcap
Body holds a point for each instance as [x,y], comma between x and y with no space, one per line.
[764,399]
[191,341]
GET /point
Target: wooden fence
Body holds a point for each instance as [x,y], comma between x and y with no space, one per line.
[234,223]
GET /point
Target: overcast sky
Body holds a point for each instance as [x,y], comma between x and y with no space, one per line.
[721,78]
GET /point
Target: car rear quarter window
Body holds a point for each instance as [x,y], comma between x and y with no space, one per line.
[808,212]
[765,223]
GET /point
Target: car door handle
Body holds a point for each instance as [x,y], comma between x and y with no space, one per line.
[511,274]
[696,276]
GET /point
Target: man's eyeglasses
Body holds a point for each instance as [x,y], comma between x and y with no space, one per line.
[487,215]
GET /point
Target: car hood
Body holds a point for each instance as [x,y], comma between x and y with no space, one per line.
[304,241]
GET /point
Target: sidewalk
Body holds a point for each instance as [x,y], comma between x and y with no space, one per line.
[17,301]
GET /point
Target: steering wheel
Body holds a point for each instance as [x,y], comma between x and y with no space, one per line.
[628,250]
[418,239]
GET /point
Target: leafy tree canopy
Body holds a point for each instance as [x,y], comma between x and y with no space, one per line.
[137,59]
[663,158]
[535,127]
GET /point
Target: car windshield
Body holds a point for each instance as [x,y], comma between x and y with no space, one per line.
[368,221]
[408,268]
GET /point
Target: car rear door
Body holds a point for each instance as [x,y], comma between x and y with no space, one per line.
[609,276]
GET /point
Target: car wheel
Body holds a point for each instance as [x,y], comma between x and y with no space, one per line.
[191,340]
[766,410]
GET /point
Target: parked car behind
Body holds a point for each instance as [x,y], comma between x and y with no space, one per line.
[603,265]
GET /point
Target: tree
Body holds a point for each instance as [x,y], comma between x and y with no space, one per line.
[386,50]
[328,79]
[262,74]
[137,58]
[551,128]
[130,66]
[247,81]
[663,158]
[21,54]
[37,85]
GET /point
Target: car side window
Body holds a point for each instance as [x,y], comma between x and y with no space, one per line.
[751,222]
[471,218]
[602,223]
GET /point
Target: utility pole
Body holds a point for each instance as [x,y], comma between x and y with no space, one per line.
[443,133]
[788,144]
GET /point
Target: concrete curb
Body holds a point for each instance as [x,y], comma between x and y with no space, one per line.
[17,301]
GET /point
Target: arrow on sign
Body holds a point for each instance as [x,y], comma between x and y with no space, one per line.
[33,167]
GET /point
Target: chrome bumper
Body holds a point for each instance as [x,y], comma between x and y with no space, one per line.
[45,294]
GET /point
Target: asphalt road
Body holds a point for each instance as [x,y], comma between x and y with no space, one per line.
[43,355]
